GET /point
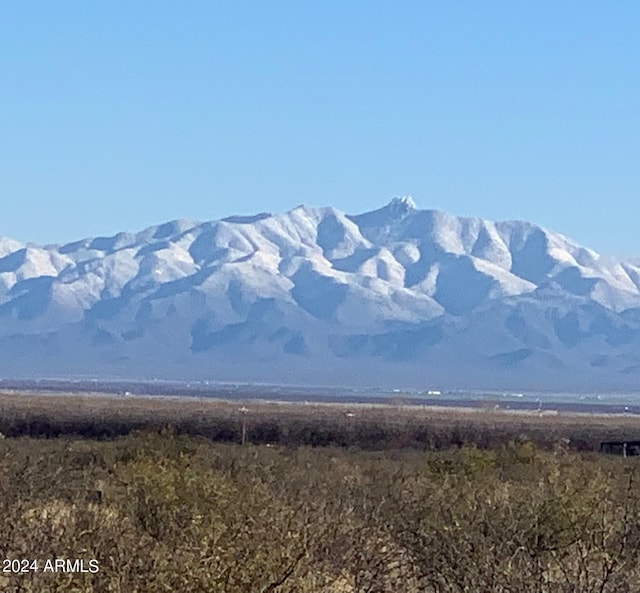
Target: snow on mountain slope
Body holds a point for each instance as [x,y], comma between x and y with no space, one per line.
[397,294]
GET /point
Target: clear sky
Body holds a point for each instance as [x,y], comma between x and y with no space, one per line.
[119,115]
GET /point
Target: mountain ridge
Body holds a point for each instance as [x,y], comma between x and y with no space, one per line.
[397,294]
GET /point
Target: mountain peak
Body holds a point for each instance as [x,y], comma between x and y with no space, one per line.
[402,204]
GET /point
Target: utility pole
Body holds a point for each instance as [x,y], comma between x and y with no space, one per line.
[244,411]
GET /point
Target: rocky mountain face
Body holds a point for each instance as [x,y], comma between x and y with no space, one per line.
[396,296]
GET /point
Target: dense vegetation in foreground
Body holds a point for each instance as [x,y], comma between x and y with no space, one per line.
[320,499]
[164,512]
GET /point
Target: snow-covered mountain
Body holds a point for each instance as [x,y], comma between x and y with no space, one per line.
[396,296]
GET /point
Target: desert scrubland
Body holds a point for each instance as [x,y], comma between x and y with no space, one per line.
[159,495]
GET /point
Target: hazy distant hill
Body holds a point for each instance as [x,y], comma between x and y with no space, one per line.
[393,296]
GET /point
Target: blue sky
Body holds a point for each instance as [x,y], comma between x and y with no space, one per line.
[118,115]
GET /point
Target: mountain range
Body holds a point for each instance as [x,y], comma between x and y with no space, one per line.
[398,296]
